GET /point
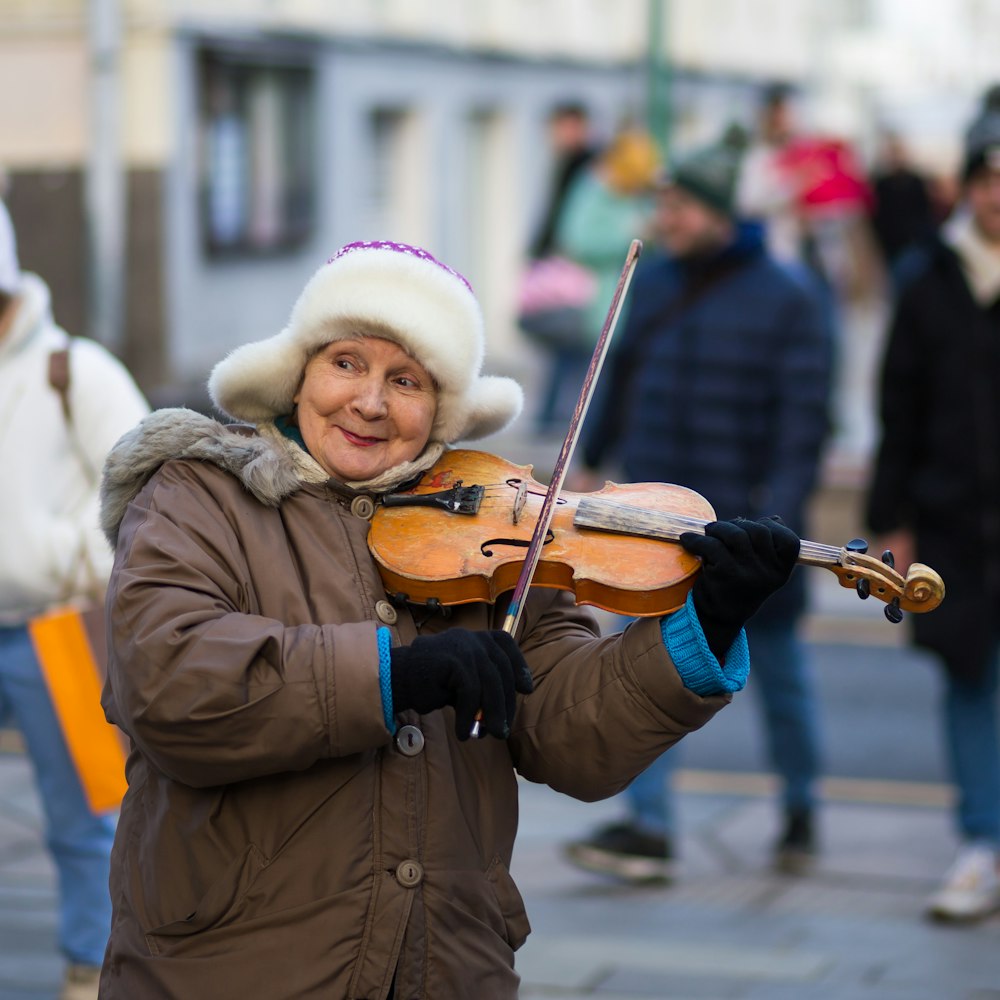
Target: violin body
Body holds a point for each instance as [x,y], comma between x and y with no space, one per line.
[429,553]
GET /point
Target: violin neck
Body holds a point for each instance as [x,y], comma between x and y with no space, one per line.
[608,515]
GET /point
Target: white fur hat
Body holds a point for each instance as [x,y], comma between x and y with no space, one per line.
[10,270]
[428,308]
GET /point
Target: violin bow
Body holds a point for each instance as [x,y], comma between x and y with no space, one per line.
[568,446]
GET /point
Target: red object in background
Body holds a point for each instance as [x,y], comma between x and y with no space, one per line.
[826,174]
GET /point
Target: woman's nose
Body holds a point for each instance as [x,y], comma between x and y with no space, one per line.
[371,400]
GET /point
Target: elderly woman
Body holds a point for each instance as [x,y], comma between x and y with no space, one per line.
[306,815]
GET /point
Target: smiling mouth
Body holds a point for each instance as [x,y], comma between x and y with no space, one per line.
[360,439]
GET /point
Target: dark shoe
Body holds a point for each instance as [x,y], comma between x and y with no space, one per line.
[795,853]
[626,852]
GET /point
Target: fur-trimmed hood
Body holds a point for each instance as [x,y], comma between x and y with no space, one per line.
[32,315]
[269,466]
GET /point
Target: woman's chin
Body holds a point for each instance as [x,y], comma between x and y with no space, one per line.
[355,468]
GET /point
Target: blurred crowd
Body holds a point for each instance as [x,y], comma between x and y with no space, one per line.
[764,248]
[820,207]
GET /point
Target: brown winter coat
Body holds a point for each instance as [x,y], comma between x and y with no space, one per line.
[276,841]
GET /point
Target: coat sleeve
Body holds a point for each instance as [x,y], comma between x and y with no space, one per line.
[594,227]
[211,692]
[104,403]
[603,709]
[605,422]
[901,389]
[802,376]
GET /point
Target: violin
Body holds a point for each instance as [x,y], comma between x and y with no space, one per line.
[460,536]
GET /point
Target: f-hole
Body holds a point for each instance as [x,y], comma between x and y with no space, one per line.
[518,543]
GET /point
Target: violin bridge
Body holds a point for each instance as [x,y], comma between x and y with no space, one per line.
[519,500]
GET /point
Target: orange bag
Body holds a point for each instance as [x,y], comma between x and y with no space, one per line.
[71,647]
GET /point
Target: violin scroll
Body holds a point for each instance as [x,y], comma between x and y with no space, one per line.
[922,589]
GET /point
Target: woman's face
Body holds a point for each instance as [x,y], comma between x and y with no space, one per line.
[364,406]
[688,226]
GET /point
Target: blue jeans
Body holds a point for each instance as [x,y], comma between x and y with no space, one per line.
[79,841]
[781,680]
[973,745]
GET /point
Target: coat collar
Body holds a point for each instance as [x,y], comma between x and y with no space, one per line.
[269,465]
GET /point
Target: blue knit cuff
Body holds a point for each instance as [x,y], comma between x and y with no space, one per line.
[384,637]
[700,671]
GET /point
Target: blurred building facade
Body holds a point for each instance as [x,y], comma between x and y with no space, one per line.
[196,160]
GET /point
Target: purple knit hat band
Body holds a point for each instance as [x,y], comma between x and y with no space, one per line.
[398,248]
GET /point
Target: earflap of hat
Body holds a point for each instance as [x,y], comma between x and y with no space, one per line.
[257,381]
[491,404]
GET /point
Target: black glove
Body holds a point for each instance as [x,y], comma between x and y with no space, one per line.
[470,670]
[743,563]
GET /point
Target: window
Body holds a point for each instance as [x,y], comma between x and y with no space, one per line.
[256,152]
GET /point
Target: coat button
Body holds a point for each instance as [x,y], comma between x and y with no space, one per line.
[387,614]
[410,874]
[409,741]
[363,507]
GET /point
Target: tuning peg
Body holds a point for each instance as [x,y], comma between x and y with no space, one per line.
[860,546]
[893,612]
[889,559]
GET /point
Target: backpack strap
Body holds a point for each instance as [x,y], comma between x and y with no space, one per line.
[59,379]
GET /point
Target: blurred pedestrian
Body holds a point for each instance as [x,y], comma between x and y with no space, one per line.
[306,815]
[809,192]
[935,494]
[720,383]
[902,213]
[555,292]
[573,147]
[768,190]
[605,209]
[53,553]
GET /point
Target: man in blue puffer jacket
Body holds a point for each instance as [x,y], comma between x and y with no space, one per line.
[720,382]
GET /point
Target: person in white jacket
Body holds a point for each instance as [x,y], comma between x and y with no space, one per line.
[52,551]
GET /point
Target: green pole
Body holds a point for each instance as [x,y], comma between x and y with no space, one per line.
[658,116]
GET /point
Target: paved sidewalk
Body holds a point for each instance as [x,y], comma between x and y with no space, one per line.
[30,966]
[731,929]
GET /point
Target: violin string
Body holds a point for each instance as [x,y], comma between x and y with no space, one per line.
[495,493]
